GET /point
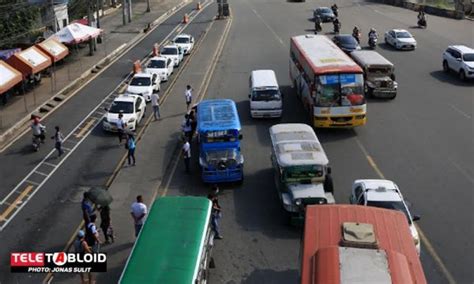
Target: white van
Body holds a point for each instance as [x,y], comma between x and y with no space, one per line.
[265,96]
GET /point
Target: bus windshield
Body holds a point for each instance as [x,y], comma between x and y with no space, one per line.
[303,172]
[341,90]
[220,136]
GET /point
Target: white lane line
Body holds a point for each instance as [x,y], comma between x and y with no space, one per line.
[460,111]
[40,173]
[82,138]
[32,182]
[268,27]
[463,172]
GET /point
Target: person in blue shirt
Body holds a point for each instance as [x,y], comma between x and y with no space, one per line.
[131,145]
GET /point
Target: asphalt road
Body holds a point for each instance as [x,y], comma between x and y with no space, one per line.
[423,140]
[50,217]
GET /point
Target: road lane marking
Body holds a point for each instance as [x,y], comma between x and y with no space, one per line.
[49,164]
[460,111]
[49,277]
[12,206]
[426,243]
[85,128]
[270,28]
[463,172]
[40,173]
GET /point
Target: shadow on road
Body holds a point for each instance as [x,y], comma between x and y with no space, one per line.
[263,276]
[450,78]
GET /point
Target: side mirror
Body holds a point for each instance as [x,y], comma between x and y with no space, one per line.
[250,96]
[328,170]
[416,217]
[240,136]
[106,109]
[458,59]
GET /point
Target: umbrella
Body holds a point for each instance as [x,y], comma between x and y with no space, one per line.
[100,196]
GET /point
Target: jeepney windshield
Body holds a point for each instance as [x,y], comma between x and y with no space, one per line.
[220,136]
[379,71]
[295,173]
[340,90]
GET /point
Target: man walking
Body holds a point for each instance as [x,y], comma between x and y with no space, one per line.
[155,99]
[105,224]
[58,141]
[81,247]
[138,213]
[215,216]
[187,155]
[188,96]
[87,208]
[120,128]
[187,127]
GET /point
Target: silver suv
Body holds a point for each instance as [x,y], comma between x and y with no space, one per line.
[460,59]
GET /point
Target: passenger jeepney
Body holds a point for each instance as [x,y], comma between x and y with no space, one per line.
[301,167]
[378,74]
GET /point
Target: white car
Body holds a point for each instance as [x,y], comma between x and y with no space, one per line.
[172,52]
[132,107]
[185,41]
[144,84]
[400,39]
[384,194]
[161,66]
[460,59]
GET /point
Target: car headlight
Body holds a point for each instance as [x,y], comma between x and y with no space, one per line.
[298,202]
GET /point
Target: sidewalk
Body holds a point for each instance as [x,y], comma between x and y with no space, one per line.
[79,61]
[155,154]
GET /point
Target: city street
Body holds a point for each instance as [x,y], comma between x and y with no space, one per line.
[422,140]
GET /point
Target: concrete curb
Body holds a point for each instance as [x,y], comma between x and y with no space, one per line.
[428,9]
[65,93]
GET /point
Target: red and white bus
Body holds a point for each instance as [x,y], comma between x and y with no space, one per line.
[328,82]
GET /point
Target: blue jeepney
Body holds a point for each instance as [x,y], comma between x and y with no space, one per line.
[218,128]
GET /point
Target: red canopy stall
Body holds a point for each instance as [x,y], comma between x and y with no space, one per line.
[9,77]
[53,48]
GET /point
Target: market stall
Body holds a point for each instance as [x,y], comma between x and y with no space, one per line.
[53,48]
[76,33]
[9,77]
[30,62]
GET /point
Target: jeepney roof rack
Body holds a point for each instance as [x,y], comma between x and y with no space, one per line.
[358,235]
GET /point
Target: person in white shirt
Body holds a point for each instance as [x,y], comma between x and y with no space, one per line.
[138,212]
[187,155]
[120,128]
[188,96]
[155,99]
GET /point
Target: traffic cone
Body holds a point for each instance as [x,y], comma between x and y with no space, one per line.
[198,6]
[137,67]
[185,19]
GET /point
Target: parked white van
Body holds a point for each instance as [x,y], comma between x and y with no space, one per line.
[265,96]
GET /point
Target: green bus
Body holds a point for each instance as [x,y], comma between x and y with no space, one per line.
[174,245]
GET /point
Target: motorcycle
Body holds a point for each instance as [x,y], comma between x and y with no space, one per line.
[37,141]
[422,23]
[372,42]
[337,27]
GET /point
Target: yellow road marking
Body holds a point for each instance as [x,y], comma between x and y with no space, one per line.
[17,200]
[426,243]
[85,128]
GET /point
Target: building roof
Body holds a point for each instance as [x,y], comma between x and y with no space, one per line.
[170,243]
[217,115]
[325,260]
[296,144]
[323,55]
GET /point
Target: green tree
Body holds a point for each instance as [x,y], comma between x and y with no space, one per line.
[17,20]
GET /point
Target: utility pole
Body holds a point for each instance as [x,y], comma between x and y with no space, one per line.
[129,11]
[148,6]
[124,12]
[99,38]
[89,20]
[53,16]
